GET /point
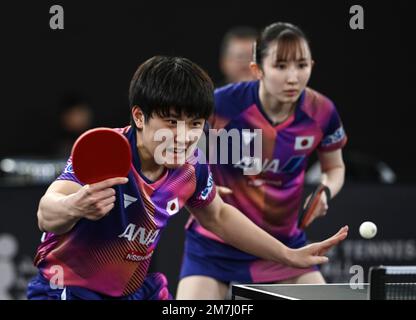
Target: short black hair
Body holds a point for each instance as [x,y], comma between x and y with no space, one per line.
[239,32]
[163,84]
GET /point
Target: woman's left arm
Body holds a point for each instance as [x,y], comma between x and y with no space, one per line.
[333,170]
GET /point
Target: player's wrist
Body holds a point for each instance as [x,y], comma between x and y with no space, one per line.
[288,257]
[71,211]
[327,191]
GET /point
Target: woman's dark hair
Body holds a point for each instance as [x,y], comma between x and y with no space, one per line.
[287,36]
[163,84]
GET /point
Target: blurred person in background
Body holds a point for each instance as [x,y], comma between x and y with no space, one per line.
[235,54]
[75,117]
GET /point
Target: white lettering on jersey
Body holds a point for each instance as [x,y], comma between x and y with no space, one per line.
[69,168]
[336,137]
[272,166]
[303,143]
[137,256]
[146,237]
[128,200]
[210,184]
[246,163]
[267,166]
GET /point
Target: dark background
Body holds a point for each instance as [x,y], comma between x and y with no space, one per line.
[368,73]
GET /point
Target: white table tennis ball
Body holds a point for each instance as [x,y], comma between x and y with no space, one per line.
[368,229]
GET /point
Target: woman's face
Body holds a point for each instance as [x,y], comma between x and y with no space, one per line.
[286,79]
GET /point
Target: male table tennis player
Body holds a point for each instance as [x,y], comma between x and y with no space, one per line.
[99,238]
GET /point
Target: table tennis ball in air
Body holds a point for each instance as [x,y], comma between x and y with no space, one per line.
[368,229]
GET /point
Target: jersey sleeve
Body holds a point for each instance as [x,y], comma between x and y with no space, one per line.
[68,173]
[334,136]
[205,190]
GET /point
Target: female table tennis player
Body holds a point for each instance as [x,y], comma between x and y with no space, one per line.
[295,121]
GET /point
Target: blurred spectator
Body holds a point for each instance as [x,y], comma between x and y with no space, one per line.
[75,117]
[236,54]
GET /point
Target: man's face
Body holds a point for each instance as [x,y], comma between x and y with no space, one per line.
[235,63]
[171,140]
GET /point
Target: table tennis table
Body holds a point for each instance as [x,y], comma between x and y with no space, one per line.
[338,291]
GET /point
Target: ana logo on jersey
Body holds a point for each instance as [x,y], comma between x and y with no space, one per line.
[303,143]
[172,206]
[128,200]
[271,165]
[145,236]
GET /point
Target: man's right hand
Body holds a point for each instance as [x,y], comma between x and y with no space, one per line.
[93,201]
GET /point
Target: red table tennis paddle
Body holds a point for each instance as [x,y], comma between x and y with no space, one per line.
[100,154]
[306,214]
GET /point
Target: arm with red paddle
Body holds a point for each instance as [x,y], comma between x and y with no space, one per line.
[101,159]
[315,206]
[332,180]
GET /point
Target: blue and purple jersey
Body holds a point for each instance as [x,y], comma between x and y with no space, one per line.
[272,198]
[112,255]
